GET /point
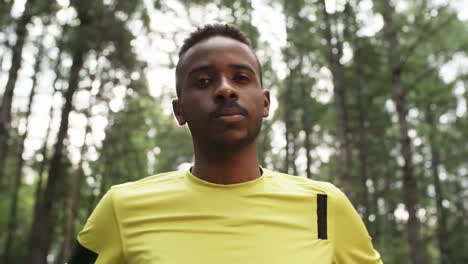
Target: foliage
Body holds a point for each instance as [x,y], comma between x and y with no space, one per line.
[133,133]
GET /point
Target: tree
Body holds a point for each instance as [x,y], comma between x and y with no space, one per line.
[20,162]
[334,49]
[94,33]
[399,97]
[5,108]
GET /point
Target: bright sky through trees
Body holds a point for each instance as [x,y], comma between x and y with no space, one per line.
[291,42]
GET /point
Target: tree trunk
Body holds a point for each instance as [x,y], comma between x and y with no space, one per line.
[460,218]
[17,183]
[287,104]
[362,101]
[76,186]
[45,159]
[442,234]
[5,108]
[43,223]
[305,120]
[6,46]
[308,147]
[306,127]
[388,176]
[399,97]
[362,147]
[5,20]
[43,164]
[73,206]
[294,155]
[339,97]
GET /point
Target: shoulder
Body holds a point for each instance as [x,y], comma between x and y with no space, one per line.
[322,187]
[159,182]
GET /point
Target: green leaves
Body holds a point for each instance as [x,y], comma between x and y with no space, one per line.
[134,132]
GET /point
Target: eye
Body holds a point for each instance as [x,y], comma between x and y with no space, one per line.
[241,78]
[202,82]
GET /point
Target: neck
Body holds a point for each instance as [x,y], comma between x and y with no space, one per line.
[226,168]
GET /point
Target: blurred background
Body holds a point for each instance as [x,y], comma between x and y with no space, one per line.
[370,95]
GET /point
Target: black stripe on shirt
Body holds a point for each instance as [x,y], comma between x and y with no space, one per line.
[322,216]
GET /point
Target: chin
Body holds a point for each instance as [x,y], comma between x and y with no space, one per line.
[229,143]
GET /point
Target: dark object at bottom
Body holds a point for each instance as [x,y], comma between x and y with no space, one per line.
[82,255]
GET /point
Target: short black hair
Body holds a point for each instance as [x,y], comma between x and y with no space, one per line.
[212,30]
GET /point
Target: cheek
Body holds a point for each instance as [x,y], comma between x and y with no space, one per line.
[259,103]
[195,110]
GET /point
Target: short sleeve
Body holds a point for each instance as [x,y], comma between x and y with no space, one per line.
[101,234]
[352,242]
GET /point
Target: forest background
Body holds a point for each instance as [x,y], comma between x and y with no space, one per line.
[370,95]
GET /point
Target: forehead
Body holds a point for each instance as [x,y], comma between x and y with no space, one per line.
[217,50]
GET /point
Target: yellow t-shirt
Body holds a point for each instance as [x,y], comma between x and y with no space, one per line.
[177,218]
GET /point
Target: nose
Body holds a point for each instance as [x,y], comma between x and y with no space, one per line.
[225,91]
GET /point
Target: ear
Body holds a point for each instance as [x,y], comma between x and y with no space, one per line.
[178,113]
[266,103]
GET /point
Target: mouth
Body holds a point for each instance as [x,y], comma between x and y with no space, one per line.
[231,117]
[232,113]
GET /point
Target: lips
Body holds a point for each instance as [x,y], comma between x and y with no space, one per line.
[229,116]
[229,112]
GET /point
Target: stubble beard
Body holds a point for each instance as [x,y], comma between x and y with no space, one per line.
[218,147]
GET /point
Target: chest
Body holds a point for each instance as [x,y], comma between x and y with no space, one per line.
[270,228]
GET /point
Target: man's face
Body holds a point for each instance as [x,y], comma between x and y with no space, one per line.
[221,97]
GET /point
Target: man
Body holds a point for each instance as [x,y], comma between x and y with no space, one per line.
[226,208]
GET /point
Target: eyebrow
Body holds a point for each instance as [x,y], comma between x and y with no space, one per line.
[200,69]
[242,67]
[237,66]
